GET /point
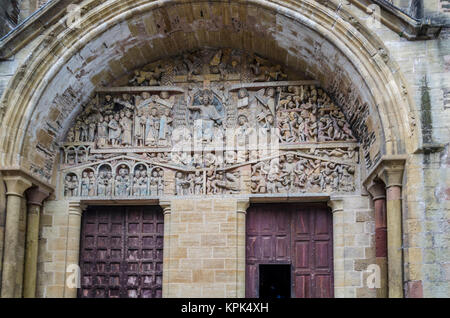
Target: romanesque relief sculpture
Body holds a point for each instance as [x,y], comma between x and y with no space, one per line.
[104,181]
[71,185]
[222,182]
[300,172]
[202,182]
[114,178]
[203,115]
[206,116]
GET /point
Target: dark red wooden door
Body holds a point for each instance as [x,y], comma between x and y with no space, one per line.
[296,234]
[122,252]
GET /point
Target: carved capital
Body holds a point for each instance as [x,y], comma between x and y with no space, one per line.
[391,172]
[336,204]
[76,208]
[36,195]
[166,206]
[242,205]
[377,190]
[16,185]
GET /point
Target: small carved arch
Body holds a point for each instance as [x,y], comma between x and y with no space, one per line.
[68,151]
[82,154]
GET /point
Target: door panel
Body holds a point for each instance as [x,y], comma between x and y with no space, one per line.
[121,252]
[299,234]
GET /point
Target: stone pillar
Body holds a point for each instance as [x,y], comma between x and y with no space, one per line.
[35,197]
[378,192]
[73,246]
[392,176]
[337,208]
[15,186]
[167,211]
[242,206]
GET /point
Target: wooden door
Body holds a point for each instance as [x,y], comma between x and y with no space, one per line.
[122,252]
[295,234]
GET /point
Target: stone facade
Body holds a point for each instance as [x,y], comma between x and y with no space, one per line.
[202,244]
[356,102]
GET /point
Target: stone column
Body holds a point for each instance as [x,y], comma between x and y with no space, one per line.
[392,175]
[167,211]
[242,206]
[15,186]
[73,246]
[337,208]
[378,192]
[35,197]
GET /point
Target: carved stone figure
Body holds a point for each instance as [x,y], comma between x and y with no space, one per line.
[122,184]
[154,182]
[85,184]
[139,128]
[165,128]
[102,132]
[92,180]
[151,128]
[198,183]
[127,126]
[181,184]
[137,183]
[71,185]
[160,182]
[114,130]
[206,116]
[243,99]
[108,183]
[101,184]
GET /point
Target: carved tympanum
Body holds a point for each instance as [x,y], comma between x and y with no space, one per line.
[196,121]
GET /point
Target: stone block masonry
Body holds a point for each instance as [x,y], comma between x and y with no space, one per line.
[201,255]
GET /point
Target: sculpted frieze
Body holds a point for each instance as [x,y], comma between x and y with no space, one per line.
[196,120]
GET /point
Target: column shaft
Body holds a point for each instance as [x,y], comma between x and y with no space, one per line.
[73,245]
[35,197]
[15,187]
[242,206]
[166,250]
[381,244]
[394,241]
[337,208]
[31,252]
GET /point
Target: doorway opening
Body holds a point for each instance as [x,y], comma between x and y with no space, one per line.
[299,234]
[275,281]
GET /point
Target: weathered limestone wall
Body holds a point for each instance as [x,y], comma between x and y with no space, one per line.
[425,224]
[52,249]
[200,253]
[426,208]
[354,247]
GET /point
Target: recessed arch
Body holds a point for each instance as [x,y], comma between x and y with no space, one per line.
[68,64]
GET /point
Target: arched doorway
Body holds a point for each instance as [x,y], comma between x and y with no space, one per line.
[68,76]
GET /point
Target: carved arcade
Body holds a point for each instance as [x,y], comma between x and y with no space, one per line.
[207,123]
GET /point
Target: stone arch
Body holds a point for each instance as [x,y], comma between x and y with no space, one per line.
[371,76]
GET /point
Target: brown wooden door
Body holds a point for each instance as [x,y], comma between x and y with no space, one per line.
[295,234]
[122,252]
